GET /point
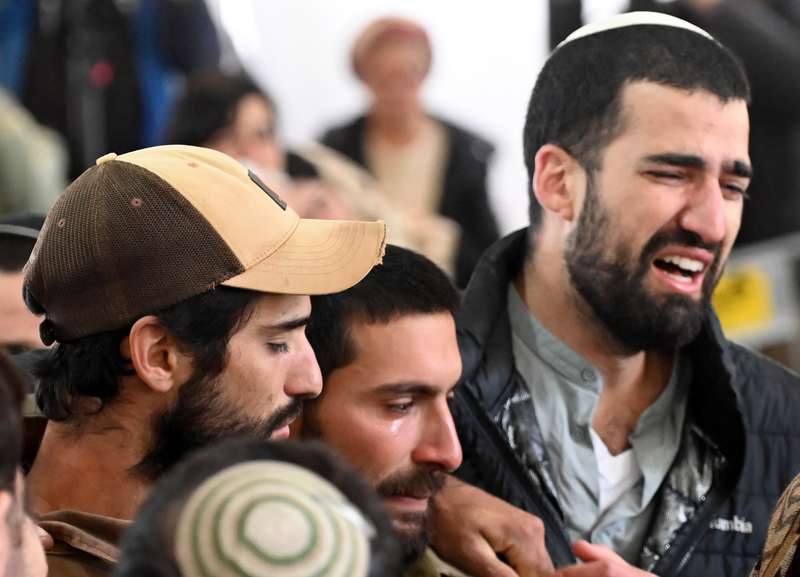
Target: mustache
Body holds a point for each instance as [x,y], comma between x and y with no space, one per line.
[681,237]
[418,483]
[289,412]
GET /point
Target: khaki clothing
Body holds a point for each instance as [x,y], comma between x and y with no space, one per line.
[85,545]
[430,565]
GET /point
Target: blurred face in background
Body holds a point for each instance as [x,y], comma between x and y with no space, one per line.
[252,135]
[394,73]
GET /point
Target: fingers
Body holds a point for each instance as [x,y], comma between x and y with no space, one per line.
[471,527]
[587,552]
[480,560]
[522,543]
[600,561]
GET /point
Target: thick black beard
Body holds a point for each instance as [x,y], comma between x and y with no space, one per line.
[604,275]
[201,417]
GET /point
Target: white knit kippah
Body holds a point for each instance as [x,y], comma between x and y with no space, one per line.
[271,519]
[633,19]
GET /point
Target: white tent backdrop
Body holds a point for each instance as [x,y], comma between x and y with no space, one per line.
[486,58]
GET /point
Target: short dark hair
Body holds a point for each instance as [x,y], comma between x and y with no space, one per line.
[12,396]
[148,547]
[208,105]
[576,102]
[17,239]
[91,366]
[406,283]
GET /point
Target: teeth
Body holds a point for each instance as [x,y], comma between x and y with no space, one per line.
[679,277]
[688,264]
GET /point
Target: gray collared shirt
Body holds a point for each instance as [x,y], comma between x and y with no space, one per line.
[565,389]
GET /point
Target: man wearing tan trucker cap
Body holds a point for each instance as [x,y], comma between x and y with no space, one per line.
[176,285]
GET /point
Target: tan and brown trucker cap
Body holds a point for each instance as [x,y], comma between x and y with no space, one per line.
[145,230]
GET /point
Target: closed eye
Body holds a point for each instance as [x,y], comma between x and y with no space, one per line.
[736,189]
[278,347]
[664,174]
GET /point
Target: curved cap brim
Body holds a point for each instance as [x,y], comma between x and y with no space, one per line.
[320,257]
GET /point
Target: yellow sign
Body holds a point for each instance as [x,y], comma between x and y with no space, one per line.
[743,301]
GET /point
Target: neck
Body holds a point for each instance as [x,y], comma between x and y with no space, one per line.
[632,380]
[398,127]
[75,471]
[77,464]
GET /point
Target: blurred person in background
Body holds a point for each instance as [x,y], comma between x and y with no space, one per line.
[104,73]
[426,164]
[21,552]
[233,115]
[286,509]
[33,160]
[765,35]
[19,327]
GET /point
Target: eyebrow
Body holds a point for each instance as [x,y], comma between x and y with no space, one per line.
[407,389]
[676,159]
[737,167]
[288,325]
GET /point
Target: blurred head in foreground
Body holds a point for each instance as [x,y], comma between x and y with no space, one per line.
[249,509]
[21,553]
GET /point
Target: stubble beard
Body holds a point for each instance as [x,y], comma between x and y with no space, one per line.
[608,278]
[412,528]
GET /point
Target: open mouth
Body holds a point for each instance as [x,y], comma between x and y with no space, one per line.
[680,268]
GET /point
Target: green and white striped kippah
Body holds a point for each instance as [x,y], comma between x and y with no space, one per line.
[271,518]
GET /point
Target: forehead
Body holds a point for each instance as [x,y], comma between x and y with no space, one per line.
[271,310]
[253,108]
[658,119]
[410,348]
[397,51]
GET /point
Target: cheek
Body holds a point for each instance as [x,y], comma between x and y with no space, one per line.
[370,444]
[733,220]
[252,384]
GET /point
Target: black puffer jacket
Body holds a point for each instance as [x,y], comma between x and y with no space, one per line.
[740,446]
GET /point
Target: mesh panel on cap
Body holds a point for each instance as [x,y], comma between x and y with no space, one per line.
[119,244]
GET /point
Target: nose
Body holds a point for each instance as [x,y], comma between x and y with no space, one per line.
[305,379]
[438,444]
[704,213]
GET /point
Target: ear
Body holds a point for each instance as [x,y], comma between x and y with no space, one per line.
[156,355]
[557,181]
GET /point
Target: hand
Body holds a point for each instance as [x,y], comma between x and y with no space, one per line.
[599,561]
[471,527]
